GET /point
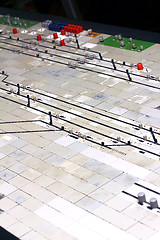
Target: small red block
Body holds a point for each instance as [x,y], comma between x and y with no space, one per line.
[55,35]
[71,30]
[15,30]
[81,29]
[62,42]
[140,66]
[77,30]
[63,32]
[74,30]
[39,38]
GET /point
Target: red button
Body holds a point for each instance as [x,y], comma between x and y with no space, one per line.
[62,43]
[74,30]
[39,38]
[63,32]
[55,35]
[71,30]
[140,66]
[15,30]
[81,29]
[77,30]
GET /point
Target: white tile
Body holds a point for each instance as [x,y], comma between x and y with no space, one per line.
[24,31]
[101,195]
[7,220]
[104,228]
[97,180]
[32,33]
[47,212]
[18,168]
[1,168]
[44,181]
[32,235]
[48,230]
[82,233]
[6,188]
[136,212]
[89,45]
[78,230]
[18,181]
[7,204]
[113,187]
[18,229]
[62,221]
[65,141]
[138,172]
[9,137]
[85,187]
[19,212]
[108,159]
[67,224]
[54,217]
[88,203]
[32,220]
[31,174]
[141,231]
[156,236]
[32,204]
[118,203]
[151,220]
[67,208]
[93,153]
[69,166]
[2,155]
[118,110]
[116,218]
[2,142]
[19,196]
[121,165]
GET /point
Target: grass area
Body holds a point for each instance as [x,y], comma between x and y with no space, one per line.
[18,22]
[111,41]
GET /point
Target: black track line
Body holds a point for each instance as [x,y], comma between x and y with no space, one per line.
[79,67]
[89,129]
[63,50]
[85,118]
[140,185]
[72,104]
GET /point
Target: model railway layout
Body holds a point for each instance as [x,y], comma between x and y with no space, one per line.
[65,110]
[79,133]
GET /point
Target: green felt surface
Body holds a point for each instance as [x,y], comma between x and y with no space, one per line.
[111,41]
[20,23]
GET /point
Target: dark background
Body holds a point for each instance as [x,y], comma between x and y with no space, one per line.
[131,14]
[5,235]
[142,14]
